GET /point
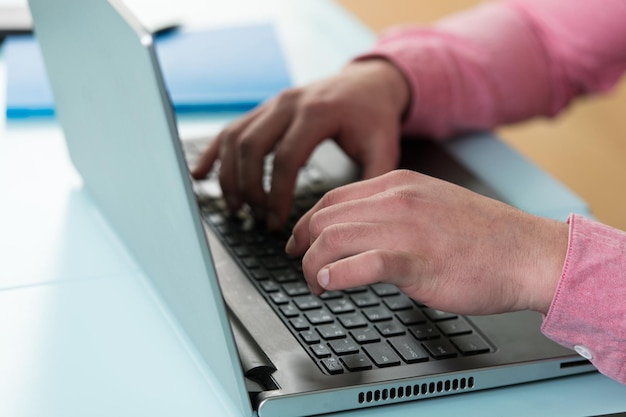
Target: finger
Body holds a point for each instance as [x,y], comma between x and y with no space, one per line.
[228,168]
[298,143]
[257,140]
[306,133]
[301,234]
[222,148]
[206,160]
[342,240]
[377,265]
[347,239]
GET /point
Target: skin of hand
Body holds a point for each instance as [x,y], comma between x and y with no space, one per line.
[360,108]
[443,245]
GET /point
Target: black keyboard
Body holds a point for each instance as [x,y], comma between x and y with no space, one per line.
[343,331]
[353,330]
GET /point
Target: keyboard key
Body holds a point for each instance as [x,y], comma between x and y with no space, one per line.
[310,337]
[339,306]
[294,289]
[279,297]
[289,310]
[409,350]
[356,362]
[274,262]
[355,290]
[269,286]
[242,251]
[250,262]
[332,366]
[283,275]
[260,274]
[409,317]
[365,299]
[331,331]
[384,290]
[320,351]
[471,344]
[343,346]
[454,327]
[398,302]
[375,314]
[424,332]
[436,315]
[365,335]
[440,349]
[350,321]
[321,316]
[390,328]
[307,302]
[382,355]
[299,323]
[329,295]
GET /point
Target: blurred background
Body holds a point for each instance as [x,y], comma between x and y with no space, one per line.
[585,147]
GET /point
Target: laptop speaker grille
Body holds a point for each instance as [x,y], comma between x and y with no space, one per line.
[416,390]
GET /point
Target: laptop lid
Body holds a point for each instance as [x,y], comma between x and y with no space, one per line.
[125,148]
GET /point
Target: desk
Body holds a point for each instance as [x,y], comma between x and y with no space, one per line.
[83,333]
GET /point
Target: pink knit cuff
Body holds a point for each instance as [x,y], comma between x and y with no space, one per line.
[588,312]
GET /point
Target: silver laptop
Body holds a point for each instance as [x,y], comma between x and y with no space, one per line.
[275,348]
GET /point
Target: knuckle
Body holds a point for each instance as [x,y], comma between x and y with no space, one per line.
[289,95]
[404,198]
[317,106]
[228,137]
[247,146]
[330,198]
[381,262]
[331,238]
[284,162]
[404,176]
[336,236]
[315,225]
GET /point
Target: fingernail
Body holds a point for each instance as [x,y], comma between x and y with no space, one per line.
[323,277]
[290,247]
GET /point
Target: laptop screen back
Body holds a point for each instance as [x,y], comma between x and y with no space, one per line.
[121,135]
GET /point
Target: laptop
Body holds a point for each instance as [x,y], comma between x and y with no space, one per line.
[275,349]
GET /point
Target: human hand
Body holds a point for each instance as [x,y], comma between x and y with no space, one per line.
[441,244]
[360,108]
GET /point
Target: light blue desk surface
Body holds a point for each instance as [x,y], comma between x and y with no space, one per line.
[81,330]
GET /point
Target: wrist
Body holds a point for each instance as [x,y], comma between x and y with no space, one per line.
[385,73]
[546,268]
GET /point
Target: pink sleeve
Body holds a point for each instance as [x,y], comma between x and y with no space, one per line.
[588,312]
[505,62]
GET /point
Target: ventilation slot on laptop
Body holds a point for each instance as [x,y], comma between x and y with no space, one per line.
[416,390]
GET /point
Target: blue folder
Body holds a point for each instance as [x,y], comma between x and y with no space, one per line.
[226,69]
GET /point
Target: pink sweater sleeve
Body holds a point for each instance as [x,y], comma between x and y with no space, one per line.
[505,62]
[588,312]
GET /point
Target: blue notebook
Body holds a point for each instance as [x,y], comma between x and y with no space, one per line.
[226,69]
